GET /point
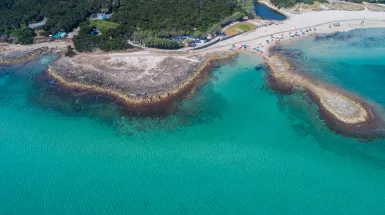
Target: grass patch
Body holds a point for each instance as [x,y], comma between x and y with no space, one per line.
[104,26]
[239,28]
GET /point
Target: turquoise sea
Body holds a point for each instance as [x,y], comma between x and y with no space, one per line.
[233,147]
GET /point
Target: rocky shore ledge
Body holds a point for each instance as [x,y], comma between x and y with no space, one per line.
[342,112]
[136,80]
[15,57]
[15,54]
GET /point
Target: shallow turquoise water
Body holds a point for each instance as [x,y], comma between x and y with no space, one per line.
[233,148]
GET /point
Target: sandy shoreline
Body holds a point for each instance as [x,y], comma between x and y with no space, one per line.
[320,20]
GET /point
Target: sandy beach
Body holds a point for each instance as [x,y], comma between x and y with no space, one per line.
[320,20]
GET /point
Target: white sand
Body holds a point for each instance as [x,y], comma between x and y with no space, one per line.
[319,19]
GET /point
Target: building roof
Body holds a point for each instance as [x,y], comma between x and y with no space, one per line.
[98,16]
[38,24]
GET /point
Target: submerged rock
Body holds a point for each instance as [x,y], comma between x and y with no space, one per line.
[292,53]
[342,111]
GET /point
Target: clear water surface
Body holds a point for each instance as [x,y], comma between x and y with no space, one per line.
[232,148]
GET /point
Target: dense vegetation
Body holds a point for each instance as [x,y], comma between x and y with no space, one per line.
[62,14]
[161,43]
[149,22]
[141,20]
[175,16]
[23,36]
[110,39]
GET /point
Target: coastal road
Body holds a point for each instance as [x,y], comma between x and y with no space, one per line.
[313,19]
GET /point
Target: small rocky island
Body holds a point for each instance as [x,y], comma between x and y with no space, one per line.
[343,112]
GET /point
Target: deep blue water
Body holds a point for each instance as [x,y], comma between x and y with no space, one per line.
[265,12]
[231,148]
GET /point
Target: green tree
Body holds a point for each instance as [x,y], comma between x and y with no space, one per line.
[155,42]
[23,36]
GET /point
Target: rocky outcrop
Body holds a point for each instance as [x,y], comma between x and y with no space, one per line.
[134,80]
[15,54]
[19,56]
[342,111]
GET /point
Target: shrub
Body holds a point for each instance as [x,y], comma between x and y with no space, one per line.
[23,36]
[155,42]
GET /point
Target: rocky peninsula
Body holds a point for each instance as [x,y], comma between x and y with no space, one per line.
[143,81]
[343,112]
[136,80]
